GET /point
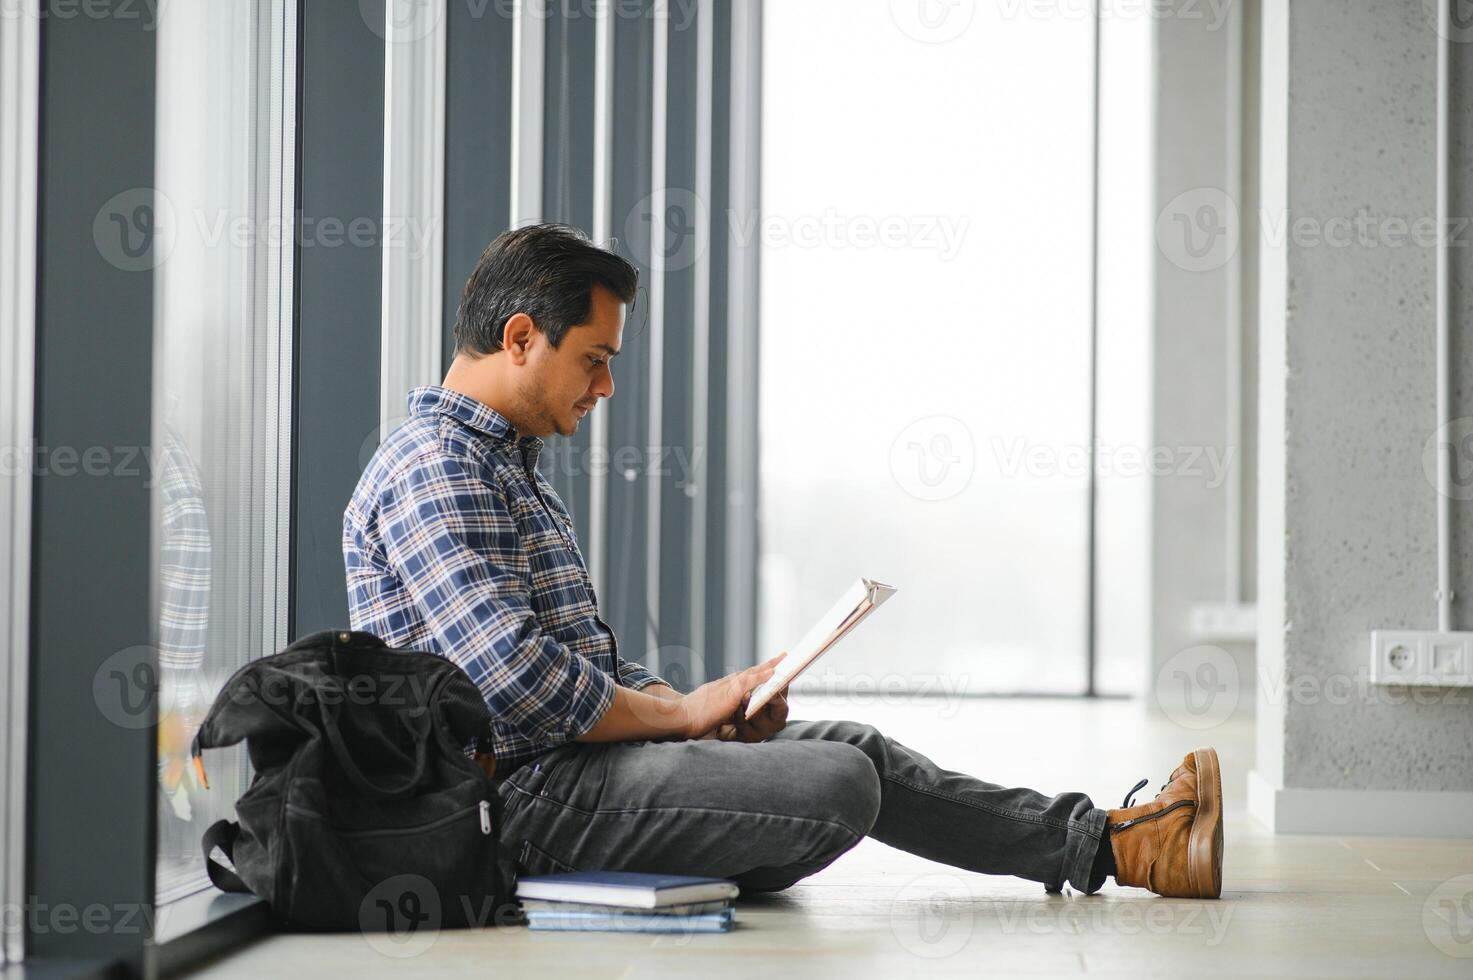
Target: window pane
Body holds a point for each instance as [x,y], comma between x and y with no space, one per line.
[220,388]
[925,337]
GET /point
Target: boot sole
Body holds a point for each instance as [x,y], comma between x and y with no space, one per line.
[1204,844]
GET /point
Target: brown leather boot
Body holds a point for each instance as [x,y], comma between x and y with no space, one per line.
[1173,845]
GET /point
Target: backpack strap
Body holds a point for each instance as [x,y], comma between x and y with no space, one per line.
[222,834]
[350,768]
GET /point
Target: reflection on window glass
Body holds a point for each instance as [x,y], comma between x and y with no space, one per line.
[219,482]
[925,318]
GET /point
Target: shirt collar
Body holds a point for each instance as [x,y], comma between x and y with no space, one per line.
[435,400]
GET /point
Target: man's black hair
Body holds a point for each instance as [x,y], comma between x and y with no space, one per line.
[546,271]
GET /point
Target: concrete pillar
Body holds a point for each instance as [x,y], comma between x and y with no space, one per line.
[1347,515]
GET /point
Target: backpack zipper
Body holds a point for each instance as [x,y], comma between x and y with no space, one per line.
[483,806]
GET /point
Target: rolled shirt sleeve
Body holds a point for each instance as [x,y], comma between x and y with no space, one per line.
[453,538]
[636,677]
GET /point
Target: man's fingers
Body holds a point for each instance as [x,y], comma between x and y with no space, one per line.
[778,702]
[761,672]
[772,662]
[721,733]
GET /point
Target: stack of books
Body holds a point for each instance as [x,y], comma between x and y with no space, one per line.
[625,901]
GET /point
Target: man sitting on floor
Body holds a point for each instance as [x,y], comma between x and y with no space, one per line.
[455,543]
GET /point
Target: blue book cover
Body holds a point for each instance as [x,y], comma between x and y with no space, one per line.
[530,905]
[629,921]
[626,889]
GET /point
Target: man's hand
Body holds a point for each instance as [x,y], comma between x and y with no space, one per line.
[722,733]
[719,702]
[765,723]
[659,712]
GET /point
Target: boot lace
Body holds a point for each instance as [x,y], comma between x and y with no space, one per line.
[1136,788]
[1174,773]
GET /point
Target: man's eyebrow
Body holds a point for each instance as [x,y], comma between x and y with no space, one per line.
[611,351]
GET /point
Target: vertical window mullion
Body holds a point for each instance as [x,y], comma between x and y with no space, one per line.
[412,242]
[20,48]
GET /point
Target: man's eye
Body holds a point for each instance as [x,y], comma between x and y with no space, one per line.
[596,361]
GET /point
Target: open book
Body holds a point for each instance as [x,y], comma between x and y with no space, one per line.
[857,602]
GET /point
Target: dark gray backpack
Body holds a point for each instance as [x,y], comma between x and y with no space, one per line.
[364,811]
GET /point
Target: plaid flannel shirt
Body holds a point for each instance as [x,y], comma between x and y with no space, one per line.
[455,543]
[184,558]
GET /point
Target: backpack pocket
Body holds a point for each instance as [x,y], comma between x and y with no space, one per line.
[438,874]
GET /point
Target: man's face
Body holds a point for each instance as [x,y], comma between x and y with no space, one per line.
[563,383]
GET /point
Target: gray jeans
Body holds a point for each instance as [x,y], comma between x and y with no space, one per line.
[768,814]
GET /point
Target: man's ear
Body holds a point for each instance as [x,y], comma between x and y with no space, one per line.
[516,337]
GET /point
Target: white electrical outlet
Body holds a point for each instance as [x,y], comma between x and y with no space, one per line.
[1222,622]
[1422,658]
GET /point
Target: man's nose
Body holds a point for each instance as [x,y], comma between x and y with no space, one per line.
[603,385]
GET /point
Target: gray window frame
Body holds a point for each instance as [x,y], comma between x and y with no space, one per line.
[20,51]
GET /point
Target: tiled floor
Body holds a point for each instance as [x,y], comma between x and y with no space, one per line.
[1291,906]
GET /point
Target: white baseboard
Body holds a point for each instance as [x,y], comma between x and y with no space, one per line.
[1367,812]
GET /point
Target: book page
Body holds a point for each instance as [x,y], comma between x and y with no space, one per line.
[857,602]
